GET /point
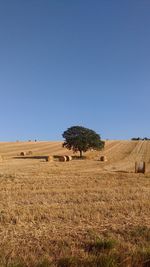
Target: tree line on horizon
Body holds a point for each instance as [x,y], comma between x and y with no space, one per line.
[140,139]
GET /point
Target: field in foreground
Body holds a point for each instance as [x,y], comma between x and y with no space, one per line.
[77,213]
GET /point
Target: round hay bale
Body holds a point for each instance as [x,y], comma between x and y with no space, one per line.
[23,153]
[49,158]
[68,158]
[1,158]
[140,167]
[103,158]
[29,153]
[62,158]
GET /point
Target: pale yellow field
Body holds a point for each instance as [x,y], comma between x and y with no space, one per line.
[50,210]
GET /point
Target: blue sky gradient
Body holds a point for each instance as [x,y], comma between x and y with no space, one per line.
[65,63]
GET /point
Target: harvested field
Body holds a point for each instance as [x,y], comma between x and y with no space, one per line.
[55,211]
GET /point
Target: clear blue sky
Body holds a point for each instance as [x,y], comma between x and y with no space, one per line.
[74,62]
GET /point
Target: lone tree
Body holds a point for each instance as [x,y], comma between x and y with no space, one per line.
[82,139]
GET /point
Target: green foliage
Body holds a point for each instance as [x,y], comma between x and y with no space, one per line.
[100,244]
[68,262]
[98,261]
[104,261]
[44,263]
[16,265]
[82,139]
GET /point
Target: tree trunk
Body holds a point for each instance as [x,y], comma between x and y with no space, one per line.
[81,154]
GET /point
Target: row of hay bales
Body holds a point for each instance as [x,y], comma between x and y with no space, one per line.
[63,158]
[24,153]
[60,158]
[47,158]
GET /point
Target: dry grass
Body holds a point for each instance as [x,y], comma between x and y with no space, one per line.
[51,212]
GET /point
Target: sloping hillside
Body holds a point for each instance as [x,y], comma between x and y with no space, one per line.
[121,155]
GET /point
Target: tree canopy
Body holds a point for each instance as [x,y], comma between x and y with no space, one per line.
[78,138]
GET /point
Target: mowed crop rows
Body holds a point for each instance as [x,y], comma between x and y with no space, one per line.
[38,148]
[52,210]
[114,150]
[122,155]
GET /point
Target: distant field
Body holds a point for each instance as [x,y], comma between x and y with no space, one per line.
[77,213]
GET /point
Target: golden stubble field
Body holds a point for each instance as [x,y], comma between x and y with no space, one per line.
[50,211]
